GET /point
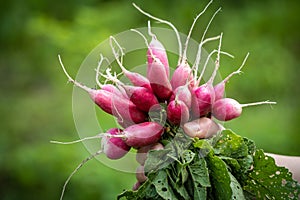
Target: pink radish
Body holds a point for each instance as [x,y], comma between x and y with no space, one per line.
[136,186]
[141,97]
[182,93]
[159,81]
[220,87]
[177,112]
[143,134]
[183,72]
[157,50]
[140,174]
[135,78]
[227,109]
[157,74]
[204,95]
[182,75]
[114,148]
[142,153]
[201,128]
[121,108]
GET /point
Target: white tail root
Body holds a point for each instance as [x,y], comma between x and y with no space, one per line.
[76,169]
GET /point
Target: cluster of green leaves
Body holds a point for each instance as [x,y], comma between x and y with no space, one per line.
[226,166]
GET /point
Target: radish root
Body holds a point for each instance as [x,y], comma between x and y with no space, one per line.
[76,169]
[165,22]
[184,56]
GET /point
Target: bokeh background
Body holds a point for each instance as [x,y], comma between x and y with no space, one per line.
[36,102]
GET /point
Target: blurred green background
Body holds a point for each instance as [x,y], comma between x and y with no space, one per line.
[36,103]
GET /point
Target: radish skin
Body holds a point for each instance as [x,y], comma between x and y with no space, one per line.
[177,112]
[136,186]
[181,75]
[140,174]
[202,128]
[159,81]
[204,95]
[114,148]
[135,78]
[182,93]
[141,97]
[157,51]
[227,108]
[142,153]
[143,134]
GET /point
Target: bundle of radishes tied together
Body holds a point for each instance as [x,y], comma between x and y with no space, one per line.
[173,124]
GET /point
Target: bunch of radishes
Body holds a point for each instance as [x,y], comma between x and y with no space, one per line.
[186,101]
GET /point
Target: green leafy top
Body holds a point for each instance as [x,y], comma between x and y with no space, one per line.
[226,166]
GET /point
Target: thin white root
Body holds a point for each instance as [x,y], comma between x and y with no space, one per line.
[150,32]
[142,35]
[165,22]
[217,62]
[195,66]
[76,169]
[207,60]
[198,58]
[258,103]
[77,141]
[191,29]
[237,71]
[116,55]
[98,136]
[145,39]
[70,79]
[98,70]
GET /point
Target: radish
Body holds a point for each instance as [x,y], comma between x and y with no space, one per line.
[160,83]
[204,96]
[141,97]
[142,153]
[121,108]
[140,174]
[182,73]
[158,51]
[227,109]
[136,186]
[201,128]
[157,75]
[114,148]
[143,134]
[182,93]
[177,112]
[135,78]
[220,87]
